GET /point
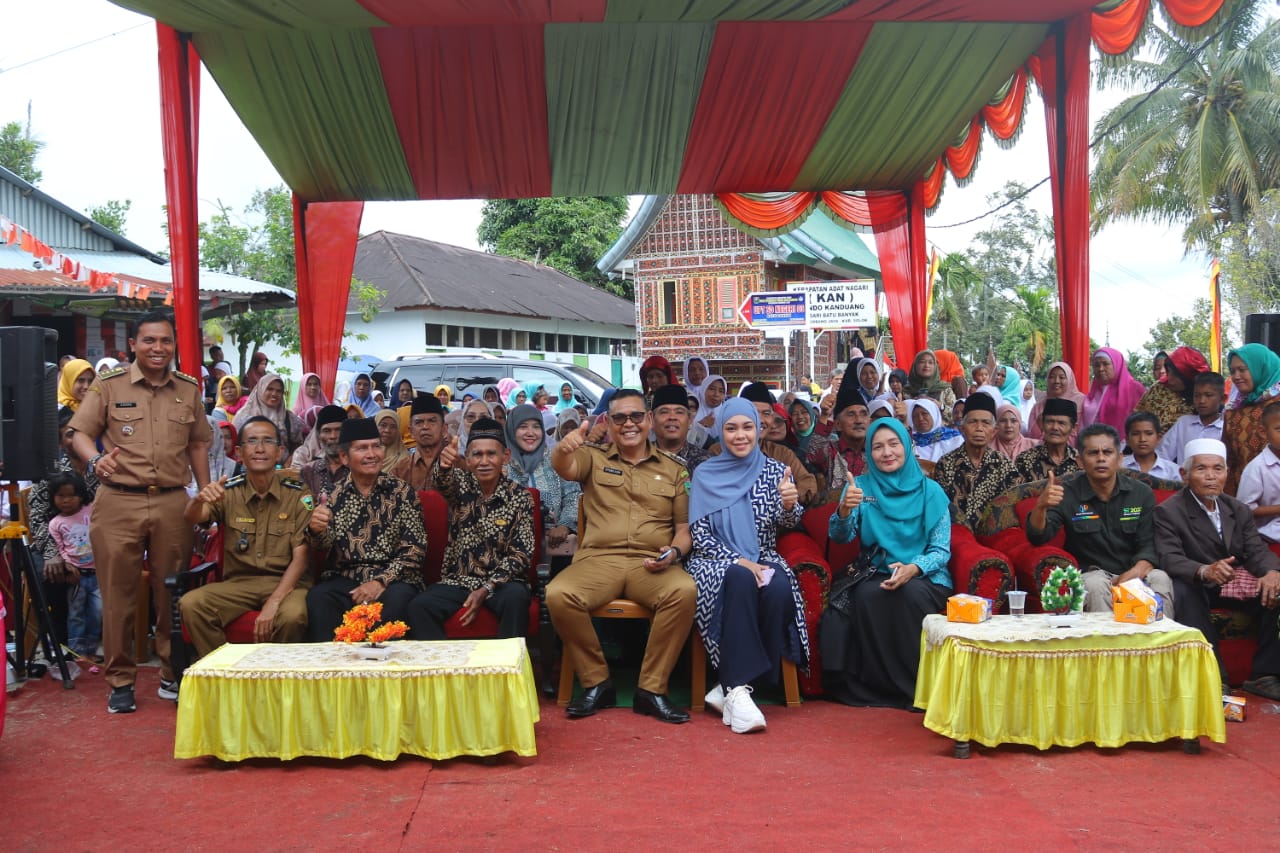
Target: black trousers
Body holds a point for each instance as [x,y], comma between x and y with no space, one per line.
[328,600]
[753,626]
[431,608]
[1195,600]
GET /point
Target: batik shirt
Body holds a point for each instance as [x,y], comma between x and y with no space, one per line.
[491,540]
[836,461]
[692,455]
[972,488]
[319,479]
[1035,464]
[379,536]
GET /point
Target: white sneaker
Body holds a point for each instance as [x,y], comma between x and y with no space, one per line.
[715,699]
[741,713]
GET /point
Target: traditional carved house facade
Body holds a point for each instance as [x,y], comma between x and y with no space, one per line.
[692,269]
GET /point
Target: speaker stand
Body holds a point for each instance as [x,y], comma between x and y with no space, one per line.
[13,536]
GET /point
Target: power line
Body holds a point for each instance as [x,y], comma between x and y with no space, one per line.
[73,47]
[1192,54]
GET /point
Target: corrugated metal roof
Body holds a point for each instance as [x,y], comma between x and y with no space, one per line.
[417,273]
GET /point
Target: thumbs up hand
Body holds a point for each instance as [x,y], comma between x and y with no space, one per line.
[449,453]
[787,488]
[213,492]
[852,499]
[1052,494]
[321,516]
[574,440]
[107,463]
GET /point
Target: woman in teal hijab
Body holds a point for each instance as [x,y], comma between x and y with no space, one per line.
[870,631]
[1254,371]
[1009,381]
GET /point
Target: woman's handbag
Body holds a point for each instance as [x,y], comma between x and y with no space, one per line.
[841,596]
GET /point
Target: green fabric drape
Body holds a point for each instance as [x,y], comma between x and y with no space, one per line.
[620,104]
[200,16]
[924,83]
[317,105]
[721,10]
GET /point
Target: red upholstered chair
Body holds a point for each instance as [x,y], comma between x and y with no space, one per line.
[435,515]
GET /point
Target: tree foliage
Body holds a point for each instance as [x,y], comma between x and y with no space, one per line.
[1251,258]
[113,214]
[1001,292]
[258,244]
[569,234]
[1191,330]
[19,149]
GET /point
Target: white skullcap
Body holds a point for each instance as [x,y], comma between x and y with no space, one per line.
[1204,447]
[875,405]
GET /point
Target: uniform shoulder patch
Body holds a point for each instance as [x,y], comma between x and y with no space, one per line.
[237,480]
[114,372]
[669,455]
[186,376]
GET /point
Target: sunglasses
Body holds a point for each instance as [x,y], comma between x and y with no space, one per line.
[621,418]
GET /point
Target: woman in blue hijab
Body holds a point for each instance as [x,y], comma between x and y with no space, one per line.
[750,613]
[870,631]
[362,395]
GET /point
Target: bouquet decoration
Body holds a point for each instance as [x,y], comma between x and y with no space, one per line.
[358,626]
[1063,591]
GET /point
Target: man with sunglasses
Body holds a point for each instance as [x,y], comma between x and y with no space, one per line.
[633,530]
[263,514]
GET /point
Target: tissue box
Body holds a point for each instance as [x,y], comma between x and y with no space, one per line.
[1233,708]
[968,608]
[1134,601]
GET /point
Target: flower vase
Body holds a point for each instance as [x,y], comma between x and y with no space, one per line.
[372,651]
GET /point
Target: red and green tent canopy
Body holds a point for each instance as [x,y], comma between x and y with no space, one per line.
[357,100]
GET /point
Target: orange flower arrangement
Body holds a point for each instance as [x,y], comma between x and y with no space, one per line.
[358,626]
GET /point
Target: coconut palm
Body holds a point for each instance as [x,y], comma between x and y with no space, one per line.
[1200,151]
[1033,324]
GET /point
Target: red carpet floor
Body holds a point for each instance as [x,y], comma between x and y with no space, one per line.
[823,776]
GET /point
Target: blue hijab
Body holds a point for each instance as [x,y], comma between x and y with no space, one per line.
[368,405]
[900,507]
[722,488]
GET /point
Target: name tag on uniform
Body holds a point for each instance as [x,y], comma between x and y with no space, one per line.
[609,470]
[244,521]
[125,405]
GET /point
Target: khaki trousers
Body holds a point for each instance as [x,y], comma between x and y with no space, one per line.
[123,526]
[1097,590]
[208,610]
[593,581]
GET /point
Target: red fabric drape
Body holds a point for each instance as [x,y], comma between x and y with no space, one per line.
[1115,31]
[738,88]
[962,158]
[324,236]
[933,185]
[768,214]
[874,206]
[1064,77]
[179,125]
[1192,13]
[900,247]
[1004,118]
[439,95]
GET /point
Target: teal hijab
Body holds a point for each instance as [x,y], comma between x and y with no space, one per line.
[1011,390]
[901,507]
[1264,367]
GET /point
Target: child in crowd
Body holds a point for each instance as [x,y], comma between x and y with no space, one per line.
[69,530]
[981,375]
[957,411]
[1206,399]
[1142,435]
[1260,482]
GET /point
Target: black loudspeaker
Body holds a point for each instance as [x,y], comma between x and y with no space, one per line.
[1263,329]
[28,401]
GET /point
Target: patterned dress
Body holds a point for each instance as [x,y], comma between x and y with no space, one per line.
[1165,404]
[711,558]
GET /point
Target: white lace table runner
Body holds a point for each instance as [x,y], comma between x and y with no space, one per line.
[1035,627]
[328,660]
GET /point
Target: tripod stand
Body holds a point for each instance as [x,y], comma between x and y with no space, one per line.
[23,568]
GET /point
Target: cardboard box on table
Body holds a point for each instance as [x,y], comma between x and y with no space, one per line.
[1134,601]
[968,608]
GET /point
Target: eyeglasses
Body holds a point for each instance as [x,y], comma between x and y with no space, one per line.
[261,442]
[621,418]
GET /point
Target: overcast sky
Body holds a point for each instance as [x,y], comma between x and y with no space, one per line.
[96,108]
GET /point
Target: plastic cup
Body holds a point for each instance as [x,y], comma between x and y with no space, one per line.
[1017,602]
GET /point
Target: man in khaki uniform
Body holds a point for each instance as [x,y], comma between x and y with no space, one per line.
[152,423]
[634,530]
[263,514]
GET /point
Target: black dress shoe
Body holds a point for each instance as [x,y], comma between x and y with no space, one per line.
[657,705]
[593,699]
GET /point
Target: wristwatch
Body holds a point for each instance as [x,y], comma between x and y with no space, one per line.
[94,461]
[489,588]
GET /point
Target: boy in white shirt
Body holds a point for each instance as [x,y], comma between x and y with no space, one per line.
[1260,481]
[1207,396]
[1142,434]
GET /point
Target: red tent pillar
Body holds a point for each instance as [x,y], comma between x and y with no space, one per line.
[180,128]
[1064,82]
[324,236]
[900,247]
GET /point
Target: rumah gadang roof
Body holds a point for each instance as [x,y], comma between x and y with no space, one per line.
[399,99]
[416,273]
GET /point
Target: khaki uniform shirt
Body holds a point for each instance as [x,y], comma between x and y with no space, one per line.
[152,425]
[629,509]
[270,526]
[415,469]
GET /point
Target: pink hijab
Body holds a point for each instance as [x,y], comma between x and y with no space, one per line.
[1113,402]
[1011,449]
[303,403]
[1072,393]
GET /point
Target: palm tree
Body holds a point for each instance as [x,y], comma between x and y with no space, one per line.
[1200,151]
[956,283]
[1033,324]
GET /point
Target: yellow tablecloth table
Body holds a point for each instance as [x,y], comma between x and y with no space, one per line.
[436,699]
[1017,680]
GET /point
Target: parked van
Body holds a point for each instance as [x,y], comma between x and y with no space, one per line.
[468,374]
